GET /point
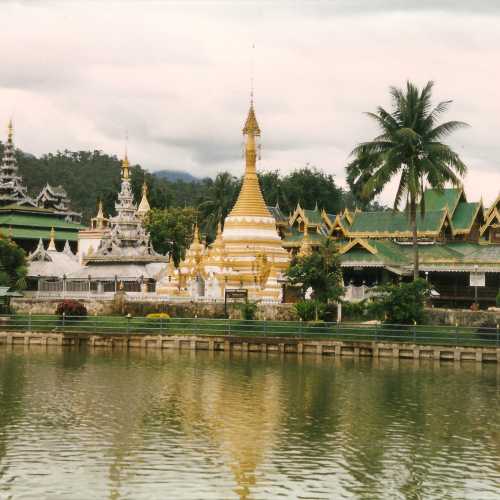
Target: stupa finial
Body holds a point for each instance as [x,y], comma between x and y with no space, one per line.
[52,242]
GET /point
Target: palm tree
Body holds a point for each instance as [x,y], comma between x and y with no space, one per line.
[220,199]
[409,147]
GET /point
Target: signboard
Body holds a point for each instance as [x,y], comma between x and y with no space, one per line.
[237,294]
[477,279]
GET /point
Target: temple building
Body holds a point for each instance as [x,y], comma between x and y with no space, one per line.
[27,220]
[56,199]
[114,253]
[119,247]
[247,253]
[456,238]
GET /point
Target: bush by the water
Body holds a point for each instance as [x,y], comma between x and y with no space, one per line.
[163,316]
[248,310]
[71,307]
[355,310]
[401,303]
[498,298]
[309,310]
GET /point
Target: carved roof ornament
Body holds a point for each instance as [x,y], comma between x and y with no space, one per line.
[144,206]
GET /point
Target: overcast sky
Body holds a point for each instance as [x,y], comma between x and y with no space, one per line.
[79,74]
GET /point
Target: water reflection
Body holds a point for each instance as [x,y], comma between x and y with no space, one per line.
[78,424]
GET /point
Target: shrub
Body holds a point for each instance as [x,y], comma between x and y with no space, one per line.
[498,298]
[248,310]
[355,310]
[71,307]
[401,304]
[309,310]
[163,316]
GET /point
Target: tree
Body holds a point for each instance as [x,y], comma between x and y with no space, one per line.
[410,147]
[310,187]
[220,198]
[402,303]
[271,186]
[13,267]
[171,230]
[319,271]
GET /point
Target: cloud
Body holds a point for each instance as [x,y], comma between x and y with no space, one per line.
[177,78]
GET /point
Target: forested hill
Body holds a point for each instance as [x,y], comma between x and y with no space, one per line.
[176,175]
[89,176]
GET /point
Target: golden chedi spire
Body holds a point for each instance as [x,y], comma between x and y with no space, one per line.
[250,200]
[125,168]
[52,243]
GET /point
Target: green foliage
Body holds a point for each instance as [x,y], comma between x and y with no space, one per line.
[319,271]
[70,308]
[248,310]
[498,299]
[307,186]
[171,230]
[13,266]
[401,303]
[408,147]
[219,198]
[355,310]
[308,310]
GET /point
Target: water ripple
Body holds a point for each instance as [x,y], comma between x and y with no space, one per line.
[145,425]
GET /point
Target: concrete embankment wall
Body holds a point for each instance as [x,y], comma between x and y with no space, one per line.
[462,317]
[297,346]
[275,312]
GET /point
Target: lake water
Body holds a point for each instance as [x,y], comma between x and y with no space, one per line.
[195,425]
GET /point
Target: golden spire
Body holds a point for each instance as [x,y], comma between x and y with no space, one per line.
[305,247]
[250,200]
[196,234]
[125,168]
[52,243]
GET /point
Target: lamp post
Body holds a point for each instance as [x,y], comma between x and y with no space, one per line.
[475,287]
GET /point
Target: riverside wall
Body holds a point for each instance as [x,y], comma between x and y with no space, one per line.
[188,309]
[264,345]
[462,317]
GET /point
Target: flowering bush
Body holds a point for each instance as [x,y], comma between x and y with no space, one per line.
[71,308]
[157,316]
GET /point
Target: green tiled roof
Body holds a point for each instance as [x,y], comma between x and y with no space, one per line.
[278,215]
[464,214]
[396,223]
[388,253]
[22,233]
[313,216]
[294,238]
[433,252]
[438,200]
[32,220]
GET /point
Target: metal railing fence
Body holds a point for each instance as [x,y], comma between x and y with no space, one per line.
[119,325]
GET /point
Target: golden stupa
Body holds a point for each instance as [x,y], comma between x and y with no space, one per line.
[247,253]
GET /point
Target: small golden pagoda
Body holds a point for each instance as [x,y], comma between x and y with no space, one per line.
[247,253]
